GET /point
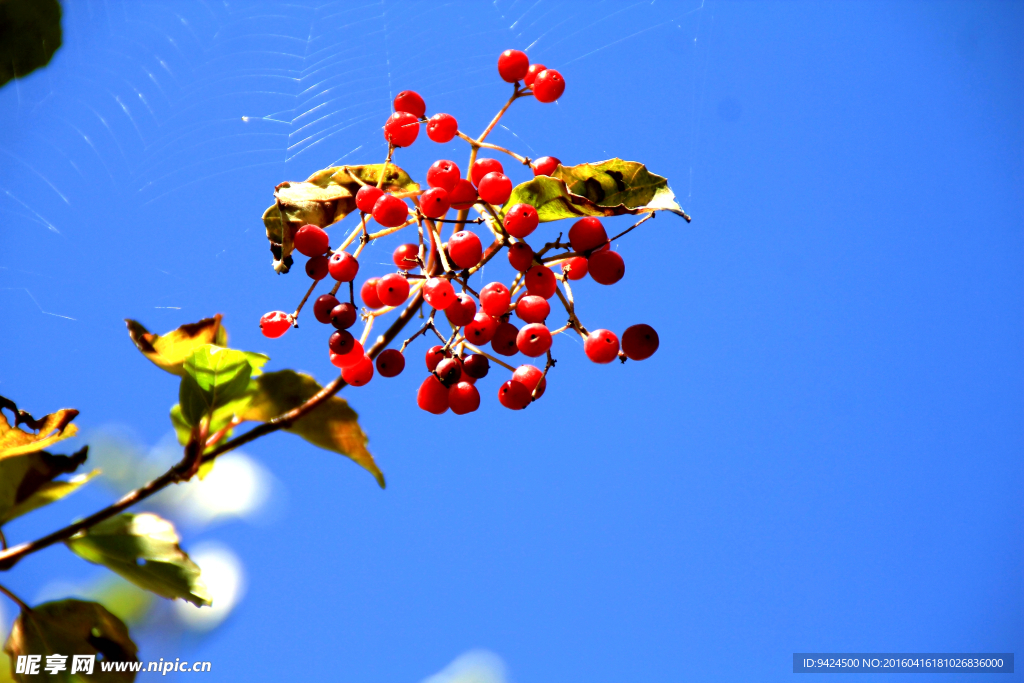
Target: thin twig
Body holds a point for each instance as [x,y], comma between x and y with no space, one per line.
[15,598]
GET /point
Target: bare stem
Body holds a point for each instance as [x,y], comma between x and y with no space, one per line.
[15,598]
[295,315]
[489,357]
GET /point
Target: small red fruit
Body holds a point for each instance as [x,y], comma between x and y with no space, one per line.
[521,220]
[463,196]
[343,360]
[405,256]
[274,324]
[530,377]
[465,249]
[495,299]
[439,293]
[393,289]
[531,74]
[402,128]
[359,373]
[463,398]
[545,166]
[514,395]
[575,268]
[390,363]
[587,233]
[495,188]
[481,329]
[432,396]
[343,266]
[520,255]
[390,211]
[482,167]
[534,340]
[410,102]
[639,342]
[606,267]
[476,366]
[341,342]
[368,293]
[449,370]
[436,354]
[532,309]
[442,128]
[504,340]
[367,196]
[434,202]
[513,65]
[462,311]
[540,281]
[316,267]
[444,173]
[311,240]
[343,316]
[322,307]
[601,346]
[548,86]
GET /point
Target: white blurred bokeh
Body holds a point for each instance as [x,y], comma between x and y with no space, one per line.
[475,666]
[224,576]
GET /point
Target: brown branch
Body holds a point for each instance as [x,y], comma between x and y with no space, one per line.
[15,598]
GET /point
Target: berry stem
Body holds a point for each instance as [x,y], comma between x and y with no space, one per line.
[488,356]
[295,315]
[547,366]
[486,145]
[6,591]
[384,169]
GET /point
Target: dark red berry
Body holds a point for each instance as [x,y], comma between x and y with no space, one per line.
[463,196]
[343,266]
[405,256]
[434,202]
[520,255]
[606,267]
[343,360]
[531,74]
[432,396]
[402,128]
[545,165]
[575,267]
[521,220]
[443,173]
[442,128]
[601,346]
[274,324]
[481,329]
[322,307]
[476,366]
[410,102]
[311,240]
[495,299]
[390,363]
[532,309]
[359,373]
[639,342]
[540,281]
[462,311]
[390,211]
[504,340]
[534,340]
[341,342]
[367,196]
[495,188]
[368,293]
[531,377]
[548,86]
[514,395]
[463,398]
[482,167]
[343,316]
[439,293]
[587,233]
[449,370]
[316,267]
[393,289]
[513,65]
[436,354]
[465,249]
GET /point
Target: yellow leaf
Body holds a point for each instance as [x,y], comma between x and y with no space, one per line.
[46,431]
[169,351]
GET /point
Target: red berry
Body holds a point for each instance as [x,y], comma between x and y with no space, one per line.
[514,395]
[513,65]
[359,373]
[545,166]
[341,342]
[311,240]
[405,256]
[481,329]
[432,396]
[343,316]
[439,293]
[495,188]
[587,233]
[476,366]
[601,346]
[274,324]
[639,342]
[343,360]
[463,196]
[482,167]
[436,354]
[504,340]
[368,293]
[390,363]
[520,255]
[322,307]
[390,211]
[316,267]
[534,340]
[521,220]
[434,202]
[530,377]
[410,102]
[367,196]
[465,249]
[495,298]
[443,173]
[343,266]
[463,398]
[449,370]
[606,267]
[402,128]
[531,74]
[442,128]
[540,281]
[462,311]
[392,289]
[575,268]
[548,86]
[532,309]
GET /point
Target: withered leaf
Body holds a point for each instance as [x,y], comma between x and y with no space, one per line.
[46,431]
[28,482]
[169,351]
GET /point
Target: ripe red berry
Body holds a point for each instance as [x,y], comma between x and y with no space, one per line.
[444,173]
[521,220]
[410,101]
[513,65]
[390,211]
[462,311]
[548,86]
[402,128]
[322,307]
[390,363]
[534,340]
[368,293]
[449,370]
[606,267]
[532,309]
[343,266]
[436,354]
[504,340]
[601,346]
[359,373]
[465,249]
[495,188]
[587,233]
[545,166]
[274,324]
[434,202]
[495,298]
[575,267]
[393,289]
[442,128]
[531,377]
[432,396]
[463,196]
[367,196]
[540,281]
[531,74]
[514,395]
[341,342]
[482,167]
[520,255]
[476,366]
[463,398]
[481,329]
[343,316]
[439,293]
[639,342]
[343,360]
[316,267]
[405,256]
[311,240]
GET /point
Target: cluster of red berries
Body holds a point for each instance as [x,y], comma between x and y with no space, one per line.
[475,318]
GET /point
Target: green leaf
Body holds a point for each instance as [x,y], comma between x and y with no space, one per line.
[46,431]
[323,199]
[29,36]
[214,377]
[144,549]
[169,351]
[607,188]
[332,425]
[72,627]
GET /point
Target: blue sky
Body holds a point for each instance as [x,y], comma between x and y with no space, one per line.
[824,454]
